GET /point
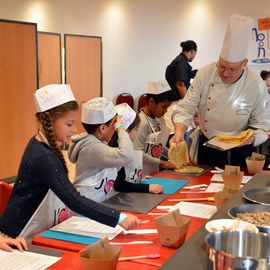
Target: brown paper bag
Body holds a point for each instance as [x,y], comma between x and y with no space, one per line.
[172,229]
[223,196]
[255,163]
[232,177]
[100,256]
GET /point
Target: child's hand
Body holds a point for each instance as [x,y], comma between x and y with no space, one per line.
[5,243]
[130,222]
[155,188]
[166,164]
[119,125]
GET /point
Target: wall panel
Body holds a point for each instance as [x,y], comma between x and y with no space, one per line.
[83,66]
[49,58]
[18,81]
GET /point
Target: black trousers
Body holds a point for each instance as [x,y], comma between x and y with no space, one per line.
[210,156]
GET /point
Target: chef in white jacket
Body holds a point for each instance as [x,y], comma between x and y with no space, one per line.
[229,98]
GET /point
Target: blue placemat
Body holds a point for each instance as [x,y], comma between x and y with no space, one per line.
[170,185]
[70,237]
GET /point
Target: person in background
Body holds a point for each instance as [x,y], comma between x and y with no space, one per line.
[153,132]
[43,192]
[265,75]
[129,177]
[229,98]
[179,72]
[7,243]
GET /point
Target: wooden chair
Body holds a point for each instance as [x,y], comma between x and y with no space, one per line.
[125,98]
[141,102]
[5,192]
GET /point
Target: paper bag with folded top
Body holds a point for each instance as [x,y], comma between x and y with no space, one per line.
[223,196]
[255,163]
[100,256]
[232,177]
[172,229]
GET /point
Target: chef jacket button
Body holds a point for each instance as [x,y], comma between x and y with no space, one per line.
[209,98]
[208,109]
[212,85]
[206,121]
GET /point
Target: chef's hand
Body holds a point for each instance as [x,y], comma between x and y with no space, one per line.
[130,222]
[180,130]
[155,188]
[248,141]
[177,138]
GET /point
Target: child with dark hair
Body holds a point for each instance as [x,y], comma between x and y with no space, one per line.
[42,190]
[97,163]
[130,176]
[153,132]
[265,75]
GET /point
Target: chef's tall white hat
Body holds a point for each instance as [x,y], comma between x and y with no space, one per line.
[97,111]
[158,87]
[53,95]
[237,38]
[126,113]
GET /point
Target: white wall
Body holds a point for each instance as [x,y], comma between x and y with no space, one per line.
[140,37]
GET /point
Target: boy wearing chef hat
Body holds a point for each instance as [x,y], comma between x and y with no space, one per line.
[97,163]
[130,176]
[153,132]
[229,98]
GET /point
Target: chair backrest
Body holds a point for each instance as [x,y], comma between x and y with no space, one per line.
[141,102]
[5,192]
[125,98]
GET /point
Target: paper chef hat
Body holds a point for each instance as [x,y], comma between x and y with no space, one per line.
[51,96]
[158,87]
[97,111]
[237,37]
[127,114]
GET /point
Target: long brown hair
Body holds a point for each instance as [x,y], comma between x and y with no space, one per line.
[47,118]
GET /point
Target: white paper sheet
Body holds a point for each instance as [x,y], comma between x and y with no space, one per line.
[87,227]
[195,209]
[193,192]
[142,231]
[17,260]
[215,187]
[218,178]
[196,186]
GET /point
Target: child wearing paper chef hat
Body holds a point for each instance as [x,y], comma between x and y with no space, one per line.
[43,191]
[130,176]
[97,163]
[153,132]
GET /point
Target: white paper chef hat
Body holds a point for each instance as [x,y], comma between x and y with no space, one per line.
[158,87]
[237,38]
[126,113]
[53,95]
[97,111]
